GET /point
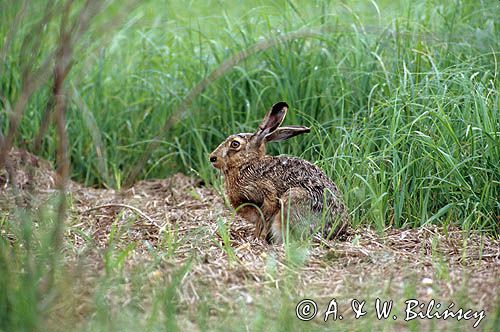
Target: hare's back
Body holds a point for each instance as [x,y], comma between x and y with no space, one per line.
[287,172]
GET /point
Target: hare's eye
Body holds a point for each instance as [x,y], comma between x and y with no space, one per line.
[235,144]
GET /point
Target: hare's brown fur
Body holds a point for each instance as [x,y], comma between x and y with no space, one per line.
[271,190]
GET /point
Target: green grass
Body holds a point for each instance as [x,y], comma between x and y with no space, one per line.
[402,98]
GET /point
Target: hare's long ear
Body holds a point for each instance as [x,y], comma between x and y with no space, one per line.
[283,133]
[271,121]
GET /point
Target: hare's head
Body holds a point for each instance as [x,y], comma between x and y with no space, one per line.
[239,149]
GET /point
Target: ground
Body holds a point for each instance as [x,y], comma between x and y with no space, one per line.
[189,223]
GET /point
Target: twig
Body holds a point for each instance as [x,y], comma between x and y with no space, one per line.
[69,35]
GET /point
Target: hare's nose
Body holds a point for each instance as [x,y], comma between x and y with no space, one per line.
[213,159]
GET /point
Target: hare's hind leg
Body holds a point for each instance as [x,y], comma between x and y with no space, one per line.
[261,217]
[294,211]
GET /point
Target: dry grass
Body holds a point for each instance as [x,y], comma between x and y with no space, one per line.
[438,263]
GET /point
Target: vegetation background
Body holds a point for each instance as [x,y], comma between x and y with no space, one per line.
[402,96]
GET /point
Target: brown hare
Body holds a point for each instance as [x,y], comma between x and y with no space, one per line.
[275,192]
